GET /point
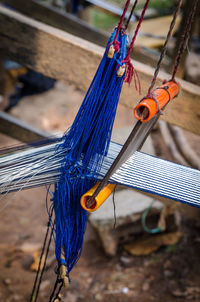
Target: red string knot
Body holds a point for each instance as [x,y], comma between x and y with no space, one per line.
[131,73]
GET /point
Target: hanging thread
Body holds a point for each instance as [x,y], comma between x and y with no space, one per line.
[130,70]
[164,49]
[114,208]
[51,298]
[85,145]
[130,15]
[40,271]
[116,43]
[183,44]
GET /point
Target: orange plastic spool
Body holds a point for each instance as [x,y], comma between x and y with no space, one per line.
[148,107]
[99,199]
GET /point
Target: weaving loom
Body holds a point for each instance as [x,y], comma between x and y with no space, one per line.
[84,155]
[152,175]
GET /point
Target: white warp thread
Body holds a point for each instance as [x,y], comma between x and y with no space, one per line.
[40,166]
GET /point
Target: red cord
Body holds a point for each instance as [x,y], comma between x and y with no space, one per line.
[115,42]
[137,28]
[130,71]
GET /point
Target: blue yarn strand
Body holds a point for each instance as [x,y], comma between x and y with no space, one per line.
[87,141]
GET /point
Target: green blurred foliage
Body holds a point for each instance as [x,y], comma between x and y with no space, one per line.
[102,20]
[160,5]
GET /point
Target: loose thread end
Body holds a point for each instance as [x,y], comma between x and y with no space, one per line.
[130,74]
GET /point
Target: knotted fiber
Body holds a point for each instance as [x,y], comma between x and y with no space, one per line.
[87,141]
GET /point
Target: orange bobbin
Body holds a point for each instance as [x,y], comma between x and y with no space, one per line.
[99,199]
[149,106]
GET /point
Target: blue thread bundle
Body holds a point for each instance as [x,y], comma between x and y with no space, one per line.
[87,139]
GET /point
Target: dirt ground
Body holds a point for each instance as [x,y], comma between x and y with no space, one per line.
[170,274]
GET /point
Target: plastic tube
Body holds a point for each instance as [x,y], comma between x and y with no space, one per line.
[149,106]
[99,199]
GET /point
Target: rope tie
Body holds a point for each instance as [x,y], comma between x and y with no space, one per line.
[62,279]
[164,49]
[166,89]
[183,44]
[130,70]
[130,15]
[157,69]
[114,46]
[152,96]
[131,73]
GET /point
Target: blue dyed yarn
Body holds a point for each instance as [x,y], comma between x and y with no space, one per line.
[87,139]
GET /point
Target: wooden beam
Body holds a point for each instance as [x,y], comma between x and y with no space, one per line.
[69,23]
[20,130]
[109,8]
[157,26]
[59,19]
[62,56]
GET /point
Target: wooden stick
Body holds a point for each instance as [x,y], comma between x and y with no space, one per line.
[182,144]
[170,143]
